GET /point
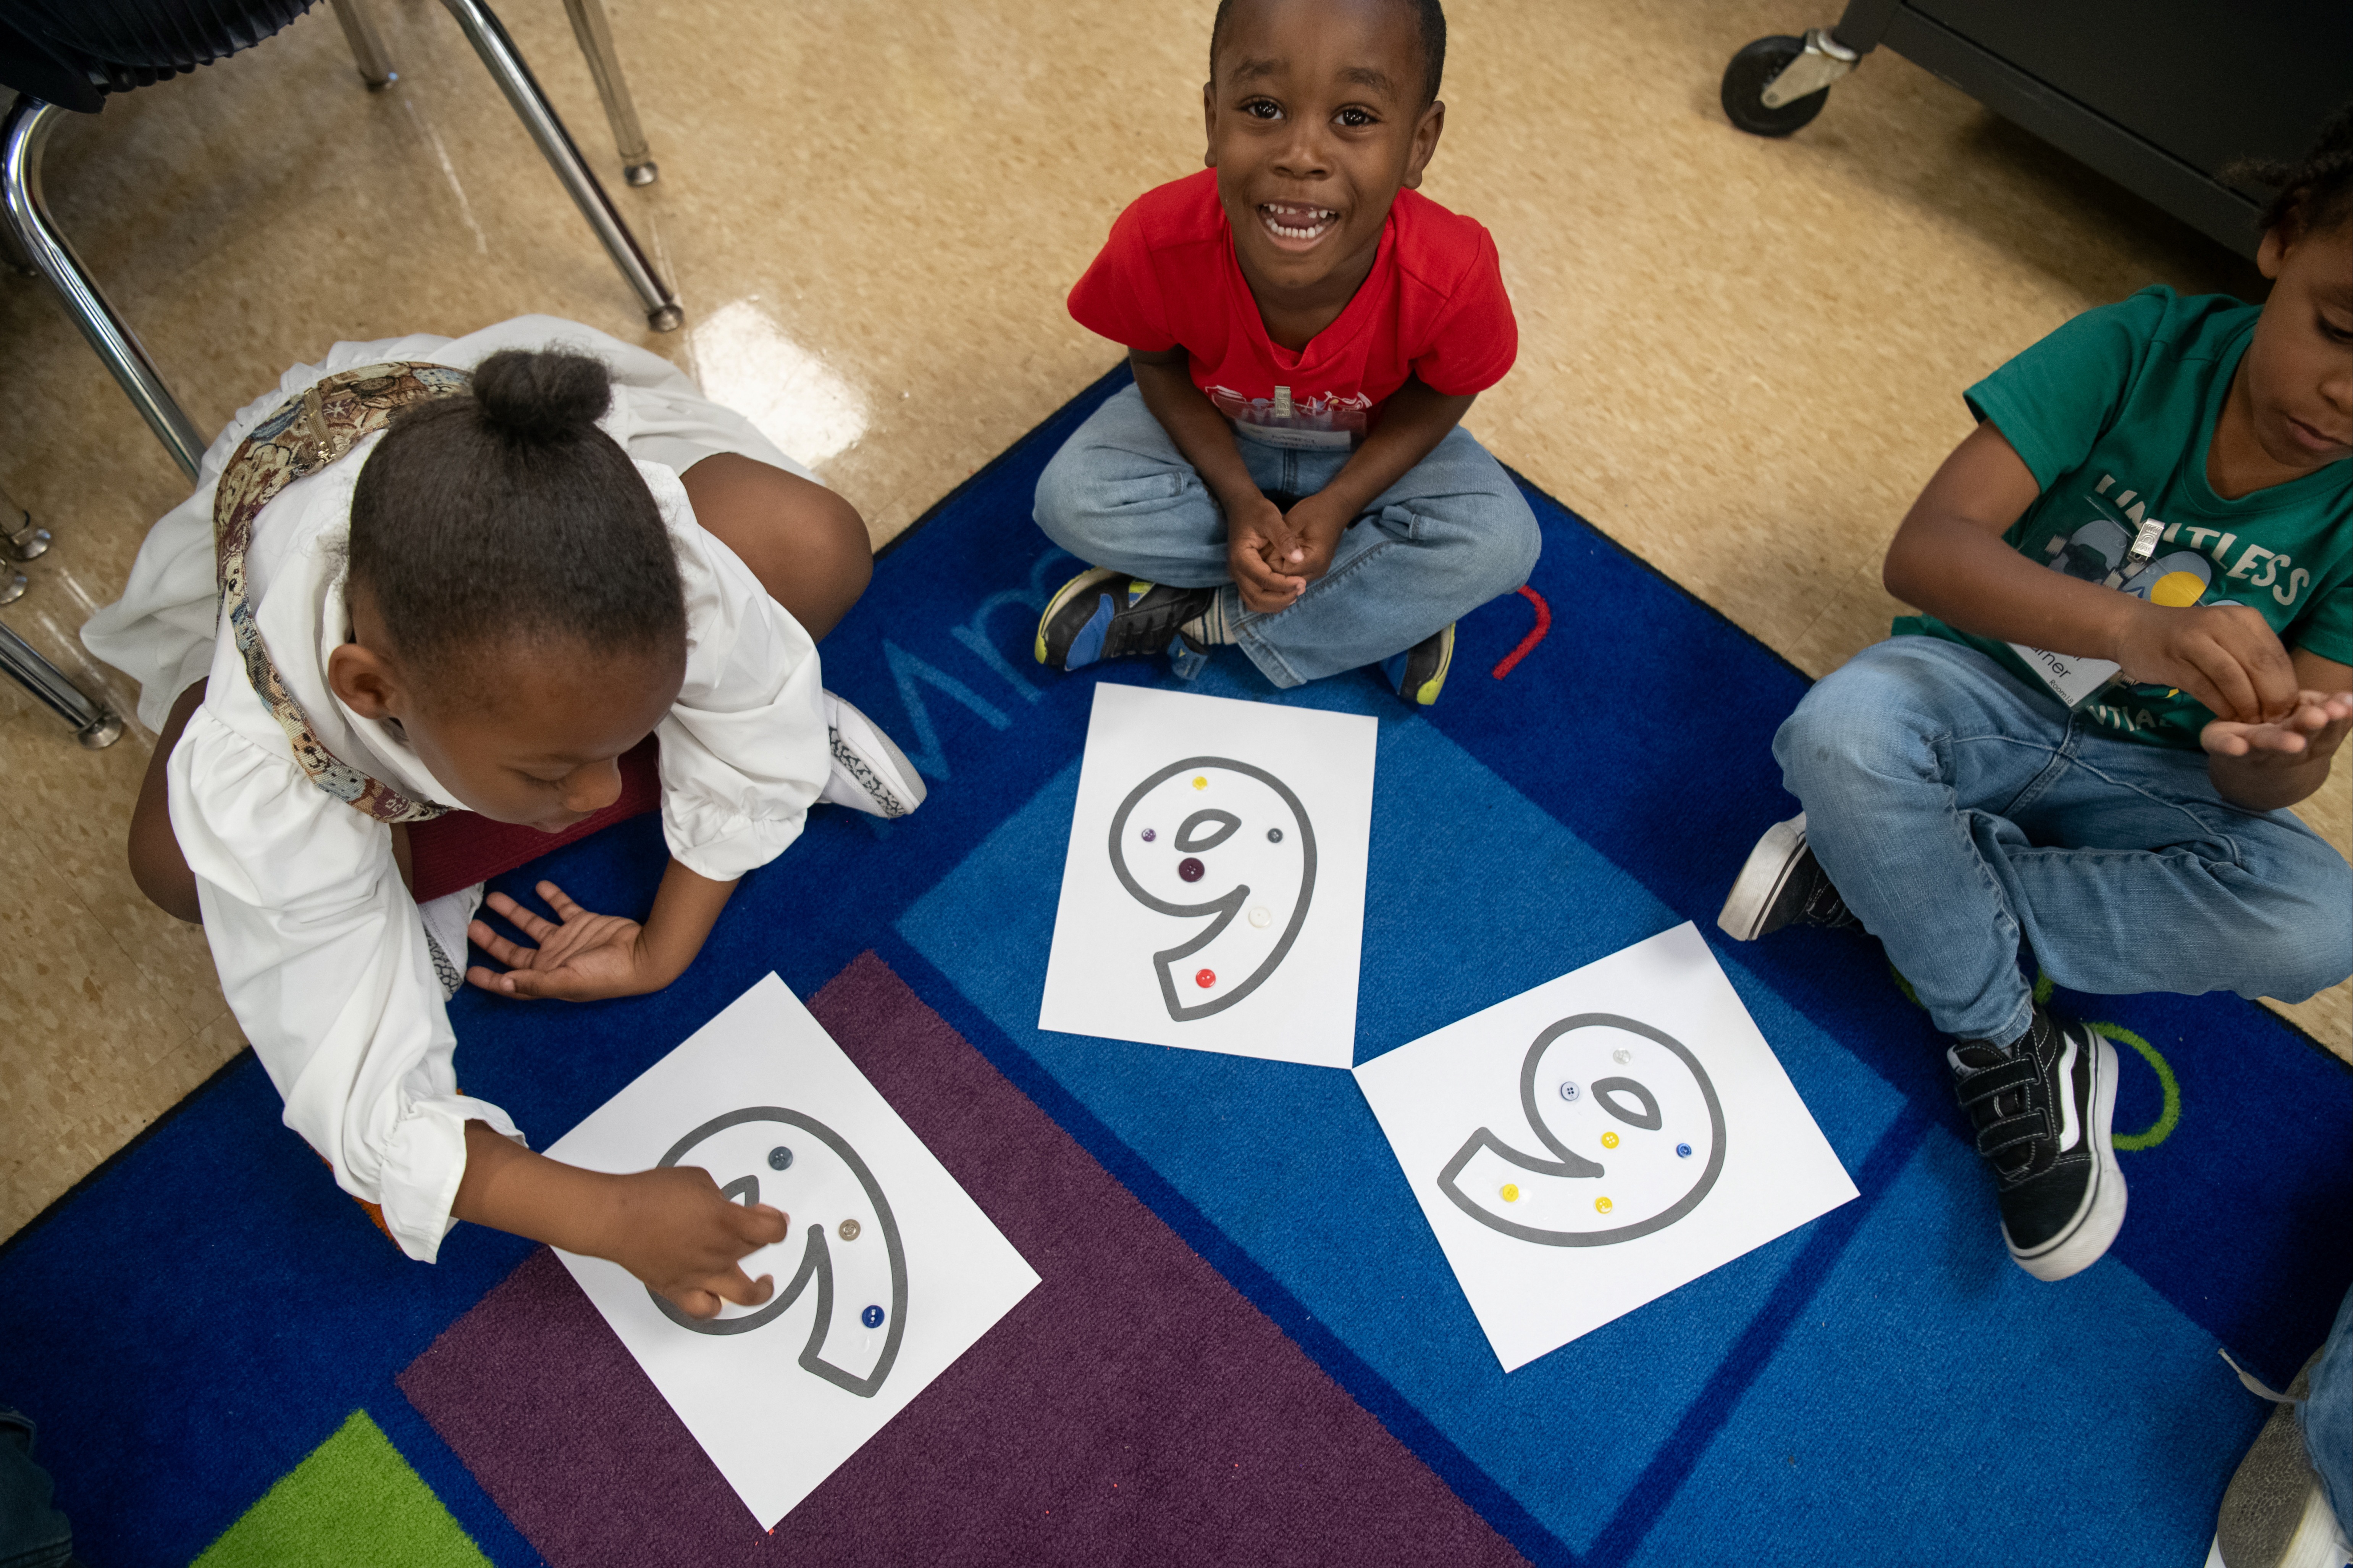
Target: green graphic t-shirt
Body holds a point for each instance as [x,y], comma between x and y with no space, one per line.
[2112,414]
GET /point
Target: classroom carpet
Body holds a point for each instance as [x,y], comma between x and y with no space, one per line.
[1247,1347]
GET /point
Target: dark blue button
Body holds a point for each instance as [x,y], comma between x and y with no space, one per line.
[872,1317]
[1683,1151]
[1274,835]
[779,1157]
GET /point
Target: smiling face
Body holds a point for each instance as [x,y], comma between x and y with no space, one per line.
[1315,118]
[538,743]
[2298,368]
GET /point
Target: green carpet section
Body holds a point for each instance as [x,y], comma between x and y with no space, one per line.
[353,1503]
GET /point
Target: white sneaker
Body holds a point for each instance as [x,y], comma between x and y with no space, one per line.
[2275,1513]
[869,773]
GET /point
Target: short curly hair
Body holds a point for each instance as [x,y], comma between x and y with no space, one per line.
[2314,195]
[1430,27]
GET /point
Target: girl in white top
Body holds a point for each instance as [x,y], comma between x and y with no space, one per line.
[483,606]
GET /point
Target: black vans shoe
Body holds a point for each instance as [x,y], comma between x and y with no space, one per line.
[1782,884]
[2042,1107]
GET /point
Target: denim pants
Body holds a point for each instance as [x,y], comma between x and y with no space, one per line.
[32,1533]
[1959,813]
[2327,1414]
[1451,534]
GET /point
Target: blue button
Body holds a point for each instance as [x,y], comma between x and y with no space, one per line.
[1568,1090]
[872,1317]
[779,1157]
[1683,1151]
[1274,835]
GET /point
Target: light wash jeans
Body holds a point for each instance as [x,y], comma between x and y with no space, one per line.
[2326,1413]
[1959,813]
[1454,533]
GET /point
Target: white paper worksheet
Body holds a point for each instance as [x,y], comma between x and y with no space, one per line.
[1213,896]
[1591,1144]
[890,1274]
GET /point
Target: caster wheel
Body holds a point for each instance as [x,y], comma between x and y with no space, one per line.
[1745,80]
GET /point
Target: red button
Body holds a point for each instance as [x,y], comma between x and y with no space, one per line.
[1207,978]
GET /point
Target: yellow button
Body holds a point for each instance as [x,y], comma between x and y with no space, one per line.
[1609,1139]
[1602,1205]
[1200,783]
[1511,1193]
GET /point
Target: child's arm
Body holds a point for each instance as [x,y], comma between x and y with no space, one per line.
[670,1227]
[1201,433]
[1413,421]
[583,955]
[1948,559]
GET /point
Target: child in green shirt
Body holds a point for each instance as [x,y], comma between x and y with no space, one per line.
[2138,651]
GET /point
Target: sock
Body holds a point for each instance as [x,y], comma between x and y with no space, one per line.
[1211,628]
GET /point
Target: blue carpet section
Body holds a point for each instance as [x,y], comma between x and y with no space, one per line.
[193,1321]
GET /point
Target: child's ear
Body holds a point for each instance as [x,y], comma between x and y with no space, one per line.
[2272,252]
[364,680]
[1210,124]
[1425,142]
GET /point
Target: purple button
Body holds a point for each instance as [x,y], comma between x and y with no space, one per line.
[1190,868]
[1149,836]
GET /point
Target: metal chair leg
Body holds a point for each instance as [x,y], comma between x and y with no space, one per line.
[28,126]
[596,38]
[531,106]
[95,724]
[20,538]
[367,43]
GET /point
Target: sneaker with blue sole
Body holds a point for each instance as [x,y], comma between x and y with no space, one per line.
[1103,613]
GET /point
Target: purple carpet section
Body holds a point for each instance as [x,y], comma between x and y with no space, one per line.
[1134,1408]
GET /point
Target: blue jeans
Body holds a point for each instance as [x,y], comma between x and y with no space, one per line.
[2326,1413]
[1454,533]
[1959,813]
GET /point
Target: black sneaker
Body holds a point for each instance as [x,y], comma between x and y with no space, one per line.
[1782,884]
[1419,674]
[1103,614]
[2041,1108]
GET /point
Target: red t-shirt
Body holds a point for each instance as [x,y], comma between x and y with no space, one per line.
[1434,306]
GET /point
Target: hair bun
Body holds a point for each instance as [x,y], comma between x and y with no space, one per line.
[542,394]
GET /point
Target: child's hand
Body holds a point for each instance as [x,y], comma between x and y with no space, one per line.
[1254,534]
[2315,724]
[2225,656]
[1313,528]
[581,956]
[673,1229]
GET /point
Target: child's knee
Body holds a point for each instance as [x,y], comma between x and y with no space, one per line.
[2309,933]
[1091,495]
[1852,724]
[157,866]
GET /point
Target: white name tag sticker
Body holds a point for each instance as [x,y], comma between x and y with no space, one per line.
[2075,681]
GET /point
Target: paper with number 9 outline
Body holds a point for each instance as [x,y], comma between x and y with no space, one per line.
[1213,889]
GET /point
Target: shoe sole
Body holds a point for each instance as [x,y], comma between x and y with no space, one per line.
[1761,879]
[864,740]
[2089,1234]
[1084,583]
[1426,694]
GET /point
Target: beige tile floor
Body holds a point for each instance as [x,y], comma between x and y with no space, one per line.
[1739,357]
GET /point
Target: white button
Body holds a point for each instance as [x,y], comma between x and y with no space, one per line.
[1262,917]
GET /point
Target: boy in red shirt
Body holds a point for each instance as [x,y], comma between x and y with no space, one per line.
[1289,472]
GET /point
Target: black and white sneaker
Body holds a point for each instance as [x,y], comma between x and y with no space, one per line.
[2042,1107]
[1782,884]
[869,773]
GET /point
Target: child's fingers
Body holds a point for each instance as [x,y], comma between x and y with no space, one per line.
[560,901]
[761,1225]
[694,1302]
[531,925]
[514,955]
[498,983]
[743,1290]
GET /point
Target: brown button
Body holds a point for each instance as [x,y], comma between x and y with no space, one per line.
[849,1230]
